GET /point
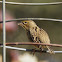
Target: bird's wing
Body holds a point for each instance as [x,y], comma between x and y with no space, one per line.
[43,36]
[33,33]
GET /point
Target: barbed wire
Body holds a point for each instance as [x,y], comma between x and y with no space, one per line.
[35,4]
[45,19]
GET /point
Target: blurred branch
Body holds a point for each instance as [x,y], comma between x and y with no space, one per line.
[33,4]
[32,43]
[19,19]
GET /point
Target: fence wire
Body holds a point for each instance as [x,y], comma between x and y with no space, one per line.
[38,4]
[4,32]
[31,50]
[45,19]
[29,4]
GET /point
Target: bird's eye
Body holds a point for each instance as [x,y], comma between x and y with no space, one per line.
[25,22]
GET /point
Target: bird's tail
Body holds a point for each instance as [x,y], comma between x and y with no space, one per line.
[50,50]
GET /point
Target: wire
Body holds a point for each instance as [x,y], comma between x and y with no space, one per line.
[4,32]
[34,4]
[45,19]
[30,50]
[30,4]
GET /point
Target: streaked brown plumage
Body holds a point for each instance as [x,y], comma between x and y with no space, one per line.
[36,34]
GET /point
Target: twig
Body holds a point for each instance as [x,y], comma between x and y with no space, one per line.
[32,43]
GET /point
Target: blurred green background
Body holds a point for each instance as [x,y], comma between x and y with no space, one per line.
[54,29]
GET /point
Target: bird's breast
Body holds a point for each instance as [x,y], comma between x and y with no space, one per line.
[30,37]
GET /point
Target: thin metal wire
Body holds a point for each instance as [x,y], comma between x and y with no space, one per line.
[45,19]
[4,32]
[24,49]
[48,19]
[34,4]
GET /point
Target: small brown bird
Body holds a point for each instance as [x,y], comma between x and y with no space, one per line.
[36,34]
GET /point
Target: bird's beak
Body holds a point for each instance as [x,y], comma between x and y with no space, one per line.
[20,24]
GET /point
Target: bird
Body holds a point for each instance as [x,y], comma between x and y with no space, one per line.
[36,34]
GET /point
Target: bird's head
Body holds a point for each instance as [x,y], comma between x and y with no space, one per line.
[27,24]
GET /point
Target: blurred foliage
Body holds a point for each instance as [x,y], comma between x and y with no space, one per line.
[54,29]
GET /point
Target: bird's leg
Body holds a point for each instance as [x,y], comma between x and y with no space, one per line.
[33,51]
[41,49]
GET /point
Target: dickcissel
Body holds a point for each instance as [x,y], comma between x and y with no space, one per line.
[36,34]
